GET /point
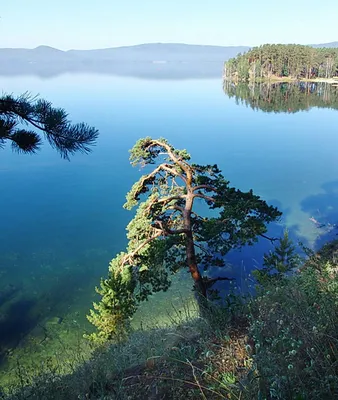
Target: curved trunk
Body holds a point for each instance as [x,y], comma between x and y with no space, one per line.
[190,247]
[193,268]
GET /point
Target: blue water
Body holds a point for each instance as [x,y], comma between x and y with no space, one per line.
[61,222]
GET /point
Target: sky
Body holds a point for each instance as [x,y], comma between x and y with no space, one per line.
[87,24]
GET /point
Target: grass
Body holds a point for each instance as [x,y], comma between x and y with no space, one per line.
[280,344]
[193,358]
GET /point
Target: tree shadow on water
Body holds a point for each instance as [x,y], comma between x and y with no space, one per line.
[21,312]
[15,322]
[323,211]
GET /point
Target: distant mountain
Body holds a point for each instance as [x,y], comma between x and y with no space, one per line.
[329,45]
[152,60]
[161,59]
[151,52]
[171,52]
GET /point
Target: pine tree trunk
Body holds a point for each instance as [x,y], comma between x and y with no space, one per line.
[193,268]
[190,249]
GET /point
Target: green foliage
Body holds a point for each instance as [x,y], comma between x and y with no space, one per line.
[117,304]
[280,60]
[144,152]
[294,327]
[282,260]
[243,68]
[167,234]
[43,117]
[285,71]
[325,258]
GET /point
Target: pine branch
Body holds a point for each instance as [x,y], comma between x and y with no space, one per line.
[207,187]
[211,281]
[272,240]
[203,196]
[202,248]
[176,160]
[129,257]
[52,122]
[167,200]
[169,231]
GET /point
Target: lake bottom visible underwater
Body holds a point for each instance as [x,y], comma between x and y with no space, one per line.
[62,222]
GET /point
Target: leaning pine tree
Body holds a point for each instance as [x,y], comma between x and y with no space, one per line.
[168,233]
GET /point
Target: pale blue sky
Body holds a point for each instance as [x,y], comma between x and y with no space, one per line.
[68,24]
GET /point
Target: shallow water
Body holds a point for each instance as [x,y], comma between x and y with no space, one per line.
[63,221]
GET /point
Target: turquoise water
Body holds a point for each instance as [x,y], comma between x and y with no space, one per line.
[61,222]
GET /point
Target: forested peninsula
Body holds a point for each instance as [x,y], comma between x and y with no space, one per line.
[287,62]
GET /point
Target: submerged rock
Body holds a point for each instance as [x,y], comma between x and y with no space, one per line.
[54,321]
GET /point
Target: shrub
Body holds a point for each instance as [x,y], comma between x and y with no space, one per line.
[294,327]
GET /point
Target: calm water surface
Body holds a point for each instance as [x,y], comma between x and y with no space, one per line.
[61,222]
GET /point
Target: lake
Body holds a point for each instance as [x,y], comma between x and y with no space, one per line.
[62,222]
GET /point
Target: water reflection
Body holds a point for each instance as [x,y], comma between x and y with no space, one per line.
[283,97]
[141,70]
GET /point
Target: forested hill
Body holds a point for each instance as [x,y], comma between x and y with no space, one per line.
[278,61]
